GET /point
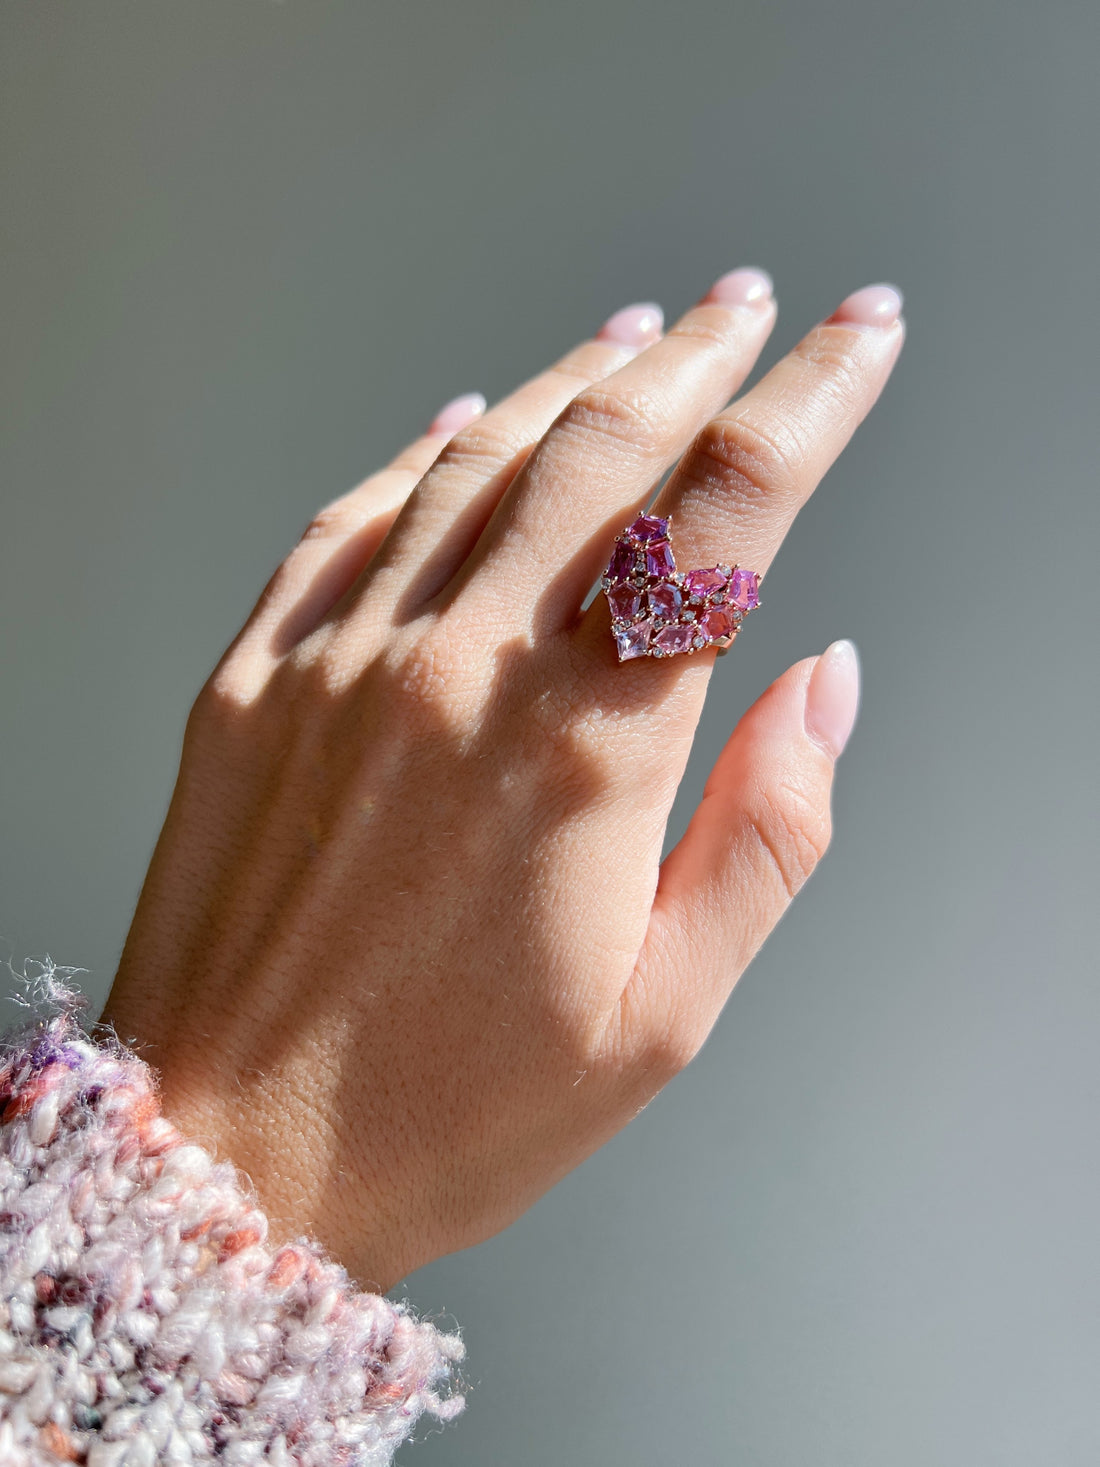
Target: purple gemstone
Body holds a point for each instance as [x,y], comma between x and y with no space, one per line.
[665,600]
[717,624]
[743,587]
[703,582]
[647,527]
[634,640]
[622,563]
[624,601]
[658,559]
[675,638]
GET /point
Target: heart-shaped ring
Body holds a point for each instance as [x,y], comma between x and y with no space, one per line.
[657,611]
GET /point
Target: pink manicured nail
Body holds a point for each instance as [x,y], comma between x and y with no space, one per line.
[832,697]
[634,325]
[874,305]
[745,287]
[457,413]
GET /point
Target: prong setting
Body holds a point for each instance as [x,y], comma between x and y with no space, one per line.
[659,611]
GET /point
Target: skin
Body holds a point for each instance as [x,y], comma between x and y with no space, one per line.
[406,951]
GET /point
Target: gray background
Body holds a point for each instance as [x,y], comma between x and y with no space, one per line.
[249,249]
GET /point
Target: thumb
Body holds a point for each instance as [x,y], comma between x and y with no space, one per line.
[763,824]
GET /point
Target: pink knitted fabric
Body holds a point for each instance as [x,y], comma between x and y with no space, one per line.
[143,1317]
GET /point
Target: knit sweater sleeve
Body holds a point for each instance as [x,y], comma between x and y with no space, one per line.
[144,1316]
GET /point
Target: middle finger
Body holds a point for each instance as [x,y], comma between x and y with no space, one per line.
[611,443]
[747,475]
[738,489]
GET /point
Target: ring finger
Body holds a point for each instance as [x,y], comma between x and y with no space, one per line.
[742,481]
[610,444]
[739,487]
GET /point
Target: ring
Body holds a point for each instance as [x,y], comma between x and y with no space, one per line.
[657,611]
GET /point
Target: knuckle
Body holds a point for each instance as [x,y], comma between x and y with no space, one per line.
[221,714]
[669,1051]
[433,684]
[734,455]
[627,415]
[653,1034]
[480,449]
[341,517]
[226,690]
[329,523]
[577,371]
[423,676]
[836,368]
[793,831]
[712,329]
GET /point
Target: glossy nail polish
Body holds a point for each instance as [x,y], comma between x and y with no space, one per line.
[874,306]
[746,286]
[457,413]
[637,325]
[832,697]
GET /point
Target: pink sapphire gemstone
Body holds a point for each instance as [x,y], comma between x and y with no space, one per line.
[622,563]
[658,559]
[665,600]
[743,587]
[647,528]
[675,638]
[633,641]
[703,582]
[624,601]
[717,623]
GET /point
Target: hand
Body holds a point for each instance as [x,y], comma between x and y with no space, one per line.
[406,951]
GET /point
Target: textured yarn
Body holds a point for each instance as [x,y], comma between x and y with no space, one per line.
[144,1319]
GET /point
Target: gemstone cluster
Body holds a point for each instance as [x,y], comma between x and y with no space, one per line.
[657,611]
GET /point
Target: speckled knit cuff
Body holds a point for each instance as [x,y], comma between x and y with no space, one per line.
[143,1317]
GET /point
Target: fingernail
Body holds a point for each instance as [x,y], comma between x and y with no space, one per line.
[745,287]
[874,305]
[457,413]
[634,325]
[832,697]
